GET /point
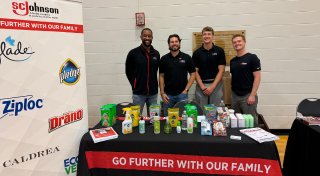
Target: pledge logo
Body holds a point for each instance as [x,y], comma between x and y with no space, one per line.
[69,73]
[14,105]
[14,51]
[34,10]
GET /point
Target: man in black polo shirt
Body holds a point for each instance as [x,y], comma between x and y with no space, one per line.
[245,70]
[141,70]
[210,62]
[173,74]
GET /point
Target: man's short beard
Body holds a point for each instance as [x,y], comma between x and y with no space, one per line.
[144,42]
[174,50]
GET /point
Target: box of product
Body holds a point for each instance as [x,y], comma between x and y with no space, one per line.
[115,117]
[107,115]
[210,112]
[206,127]
[192,112]
[154,110]
[241,121]
[219,129]
[173,115]
[233,121]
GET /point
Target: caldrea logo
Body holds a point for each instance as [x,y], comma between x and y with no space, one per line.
[65,119]
[12,106]
[70,165]
[15,50]
[69,73]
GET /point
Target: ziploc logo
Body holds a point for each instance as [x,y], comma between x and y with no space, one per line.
[69,72]
[12,106]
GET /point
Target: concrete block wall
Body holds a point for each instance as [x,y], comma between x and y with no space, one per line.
[283,33]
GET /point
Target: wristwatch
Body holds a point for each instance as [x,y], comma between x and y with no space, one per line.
[186,90]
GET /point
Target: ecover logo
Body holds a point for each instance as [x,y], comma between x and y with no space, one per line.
[14,105]
[70,165]
[69,73]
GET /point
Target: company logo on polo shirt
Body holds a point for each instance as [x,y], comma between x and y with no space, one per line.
[182,61]
[66,119]
[31,156]
[69,73]
[243,63]
[214,54]
[23,9]
[14,105]
[154,58]
[17,52]
[71,164]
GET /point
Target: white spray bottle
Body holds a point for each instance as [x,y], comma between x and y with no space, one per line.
[127,123]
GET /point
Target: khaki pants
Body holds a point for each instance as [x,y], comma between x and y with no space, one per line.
[240,105]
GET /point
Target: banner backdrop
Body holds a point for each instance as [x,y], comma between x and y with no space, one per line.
[43,97]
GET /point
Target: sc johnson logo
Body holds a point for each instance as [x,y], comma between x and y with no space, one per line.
[31,156]
[12,106]
[71,164]
[69,73]
[34,10]
[15,50]
[65,119]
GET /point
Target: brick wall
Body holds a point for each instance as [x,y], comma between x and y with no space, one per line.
[283,33]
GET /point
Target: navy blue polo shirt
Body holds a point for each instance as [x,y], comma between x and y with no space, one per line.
[175,71]
[208,61]
[242,69]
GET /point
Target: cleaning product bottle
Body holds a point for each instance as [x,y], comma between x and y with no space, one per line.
[127,123]
[142,124]
[167,127]
[190,125]
[178,127]
[184,120]
[222,104]
[156,122]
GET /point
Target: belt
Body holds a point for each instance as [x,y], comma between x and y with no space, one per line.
[208,81]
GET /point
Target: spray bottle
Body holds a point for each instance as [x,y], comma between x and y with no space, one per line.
[127,123]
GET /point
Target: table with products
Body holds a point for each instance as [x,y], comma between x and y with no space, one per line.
[302,152]
[176,154]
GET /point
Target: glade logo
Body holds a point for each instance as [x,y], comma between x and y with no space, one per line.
[65,119]
[24,9]
[69,73]
[16,54]
[14,105]
[31,156]
[71,165]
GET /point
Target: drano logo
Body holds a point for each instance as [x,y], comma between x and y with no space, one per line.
[71,164]
[14,51]
[23,9]
[14,105]
[69,73]
[65,119]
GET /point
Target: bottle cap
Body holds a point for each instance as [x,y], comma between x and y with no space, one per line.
[184,112]
[178,123]
[156,118]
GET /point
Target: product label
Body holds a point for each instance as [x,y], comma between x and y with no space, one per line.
[141,127]
[127,127]
[156,126]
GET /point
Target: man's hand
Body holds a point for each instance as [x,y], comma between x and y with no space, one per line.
[251,100]
[165,98]
[185,92]
[210,90]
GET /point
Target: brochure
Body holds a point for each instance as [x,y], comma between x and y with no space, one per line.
[103,134]
[259,134]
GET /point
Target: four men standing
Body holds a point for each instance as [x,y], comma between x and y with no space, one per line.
[206,66]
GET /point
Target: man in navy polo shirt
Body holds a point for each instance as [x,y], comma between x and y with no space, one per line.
[210,63]
[245,70]
[173,74]
[141,70]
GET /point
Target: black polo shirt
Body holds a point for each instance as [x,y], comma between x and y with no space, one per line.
[208,61]
[175,71]
[242,69]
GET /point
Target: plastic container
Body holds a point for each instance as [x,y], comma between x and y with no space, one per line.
[127,123]
[184,125]
[190,125]
[178,127]
[167,127]
[156,122]
[142,126]
[222,104]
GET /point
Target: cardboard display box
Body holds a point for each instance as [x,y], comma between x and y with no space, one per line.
[226,82]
